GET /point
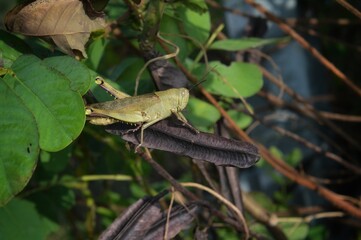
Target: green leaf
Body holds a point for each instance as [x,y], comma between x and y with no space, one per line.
[196,25]
[238,79]
[47,94]
[241,119]
[263,200]
[260,229]
[202,114]
[243,44]
[170,26]
[294,157]
[318,232]
[95,52]
[39,110]
[198,6]
[276,152]
[19,143]
[184,21]
[295,231]
[77,73]
[20,220]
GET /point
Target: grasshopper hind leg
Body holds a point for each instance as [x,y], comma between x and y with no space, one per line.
[108,88]
[144,126]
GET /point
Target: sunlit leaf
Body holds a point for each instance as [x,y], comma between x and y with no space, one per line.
[243,44]
[238,79]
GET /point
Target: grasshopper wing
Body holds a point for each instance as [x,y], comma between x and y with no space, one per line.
[130,109]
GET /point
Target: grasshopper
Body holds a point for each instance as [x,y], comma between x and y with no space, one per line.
[143,110]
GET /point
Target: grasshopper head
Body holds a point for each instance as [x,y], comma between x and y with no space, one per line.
[182,98]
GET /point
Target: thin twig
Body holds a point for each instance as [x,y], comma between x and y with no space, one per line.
[350,8]
[286,28]
[216,5]
[280,103]
[317,21]
[277,163]
[168,214]
[318,149]
[340,117]
[161,171]
[314,33]
[309,109]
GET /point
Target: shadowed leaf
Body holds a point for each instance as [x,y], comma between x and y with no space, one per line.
[66,22]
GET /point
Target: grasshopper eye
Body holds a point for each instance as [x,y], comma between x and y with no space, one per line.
[184,92]
[99,81]
[88,111]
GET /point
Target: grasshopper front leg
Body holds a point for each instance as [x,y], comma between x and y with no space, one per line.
[183,119]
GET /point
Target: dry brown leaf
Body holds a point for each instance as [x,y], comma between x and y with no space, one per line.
[65,21]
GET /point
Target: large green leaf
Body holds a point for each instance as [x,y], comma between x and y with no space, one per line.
[40,107]
[19,143]
[238,79]
[78,74]
[57,109]
[20,220]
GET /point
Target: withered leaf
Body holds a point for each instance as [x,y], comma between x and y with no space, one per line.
[180,218]
[170,135]
[146,220]
[65,21]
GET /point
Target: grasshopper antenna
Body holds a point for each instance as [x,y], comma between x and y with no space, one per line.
[204,78]
[165,57]
[195,85]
